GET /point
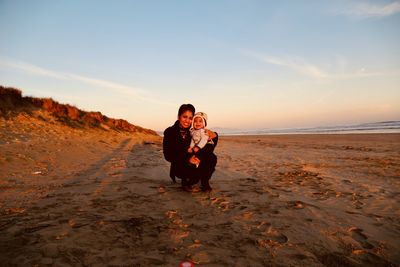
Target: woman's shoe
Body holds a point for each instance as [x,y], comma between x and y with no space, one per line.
[206,189]
[187,188]
[196,189]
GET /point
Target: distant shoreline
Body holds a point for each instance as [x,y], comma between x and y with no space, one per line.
[382,127]
[397,131]
[365,128]
[303,133]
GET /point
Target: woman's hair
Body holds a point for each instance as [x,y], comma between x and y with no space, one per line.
[185,107]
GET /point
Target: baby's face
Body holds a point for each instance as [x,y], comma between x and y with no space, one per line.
[198,123]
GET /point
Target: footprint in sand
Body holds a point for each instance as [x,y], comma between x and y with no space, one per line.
[269,191]
[247,181]
[262,227]
[171,213]
[177,229]
[161,189]
[295,205]
[220,202]
[346,181]
[245,216]
[358,204]
[358,235]
[274,235]
[279,238]
[196,244]
[201,258]
[272,239]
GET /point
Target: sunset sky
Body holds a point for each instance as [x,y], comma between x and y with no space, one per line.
[248,64]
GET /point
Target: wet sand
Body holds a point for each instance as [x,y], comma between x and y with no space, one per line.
[87,198]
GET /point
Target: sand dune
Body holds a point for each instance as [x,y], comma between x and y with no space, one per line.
[73,197]
[12,103]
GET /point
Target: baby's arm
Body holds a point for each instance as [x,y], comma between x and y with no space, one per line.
[192,143]
[208,148]
[203,140]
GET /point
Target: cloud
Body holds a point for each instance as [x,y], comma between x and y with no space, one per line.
[367,10]
[297,64]
[305,68]
[113,86]
[29,68]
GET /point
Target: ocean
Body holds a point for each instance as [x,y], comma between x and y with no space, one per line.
[374,127]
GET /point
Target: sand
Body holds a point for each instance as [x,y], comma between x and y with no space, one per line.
[73,197]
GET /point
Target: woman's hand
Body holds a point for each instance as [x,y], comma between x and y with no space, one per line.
[194,160]
[211,134]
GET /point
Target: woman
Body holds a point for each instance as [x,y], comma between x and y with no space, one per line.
[183,164]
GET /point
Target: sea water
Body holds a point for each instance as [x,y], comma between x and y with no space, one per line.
[374,127]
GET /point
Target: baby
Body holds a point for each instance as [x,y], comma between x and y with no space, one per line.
[197,131]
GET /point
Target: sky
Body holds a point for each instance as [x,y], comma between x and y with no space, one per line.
[247,64]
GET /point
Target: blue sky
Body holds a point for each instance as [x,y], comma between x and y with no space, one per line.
[248,64]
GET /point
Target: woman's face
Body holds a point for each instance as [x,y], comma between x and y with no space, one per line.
[185,119]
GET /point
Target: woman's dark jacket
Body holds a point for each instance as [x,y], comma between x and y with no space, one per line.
[175,149]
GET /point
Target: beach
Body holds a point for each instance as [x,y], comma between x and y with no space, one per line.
[72,197]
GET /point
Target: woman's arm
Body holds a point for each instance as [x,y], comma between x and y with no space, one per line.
[172,149]
[211,134]
[168,145]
